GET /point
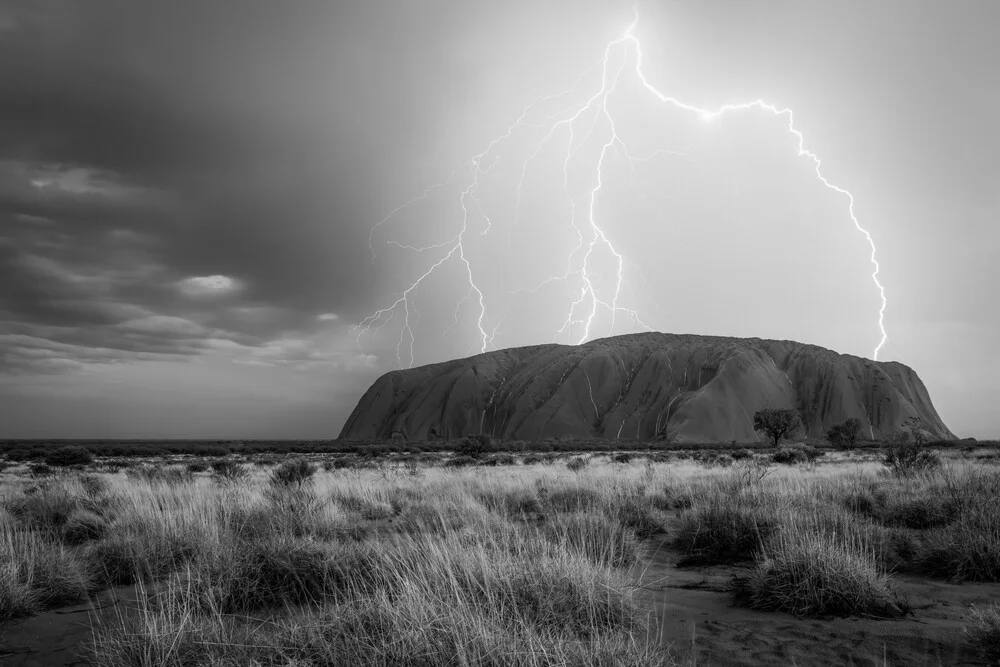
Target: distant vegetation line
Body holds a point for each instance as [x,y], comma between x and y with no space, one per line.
[40,448]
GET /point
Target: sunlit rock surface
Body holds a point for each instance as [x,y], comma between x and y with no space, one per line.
[641,386]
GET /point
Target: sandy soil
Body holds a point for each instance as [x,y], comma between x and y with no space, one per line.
[57,637]
[696,615]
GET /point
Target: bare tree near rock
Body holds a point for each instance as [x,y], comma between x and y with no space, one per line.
[845,434]
[917,431]
[776,424]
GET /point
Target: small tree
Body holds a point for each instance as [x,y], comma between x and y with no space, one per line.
[845,434]
[776,424]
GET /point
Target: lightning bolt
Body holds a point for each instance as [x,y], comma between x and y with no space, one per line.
[588,299]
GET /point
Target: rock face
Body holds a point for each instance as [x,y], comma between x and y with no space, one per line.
[641,386]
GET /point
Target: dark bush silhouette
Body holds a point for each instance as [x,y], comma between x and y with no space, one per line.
[776,424]
[910,458]
[69,456]
[230,471]
[845,434]
[295,472]
[474,445]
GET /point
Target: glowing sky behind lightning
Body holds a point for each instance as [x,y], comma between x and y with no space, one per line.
[622,57]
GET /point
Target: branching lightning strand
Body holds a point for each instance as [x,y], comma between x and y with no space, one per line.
[587,298]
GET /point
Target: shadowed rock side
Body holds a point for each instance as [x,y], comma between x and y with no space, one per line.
[641,386]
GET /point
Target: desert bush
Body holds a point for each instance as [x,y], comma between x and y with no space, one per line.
[93,485]
[83,526]
[622,457]
[575,498]
[229,471]
[16,596]
[36,572]
[723,531]
[158,474]
[114,465]
[40,470]
[748,473]
[741,454]
[790,456]
[295,472]
[266,573]
[910,459]
[516,503]
[19,455]
[983,630]
[505,459]
[595,536]
[474,445]
[129,555]
[47,508]
[196,466]
[845,434]
[577,464]
[810,573]
[69,456]
[461,462]
[638,513]
[893,510]
[968,550]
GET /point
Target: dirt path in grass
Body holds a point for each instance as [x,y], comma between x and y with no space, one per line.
[695,614]
[59,637]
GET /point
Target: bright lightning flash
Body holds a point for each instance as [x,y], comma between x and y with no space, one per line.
[573,119]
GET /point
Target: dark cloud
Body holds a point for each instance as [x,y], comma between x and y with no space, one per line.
[144,149]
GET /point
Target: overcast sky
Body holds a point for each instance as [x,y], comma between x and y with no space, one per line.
[187,190]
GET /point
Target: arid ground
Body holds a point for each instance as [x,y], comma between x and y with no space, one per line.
[795,556]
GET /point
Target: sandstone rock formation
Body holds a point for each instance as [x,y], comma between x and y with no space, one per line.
[641,386]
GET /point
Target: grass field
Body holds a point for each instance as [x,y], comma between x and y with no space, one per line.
[293,562]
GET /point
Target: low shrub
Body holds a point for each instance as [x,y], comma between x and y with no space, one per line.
[722,532]
[40,470]
[293,473]
[794,455]
[904,459]
[596,536]
[19,455]
[229,471]
[807,573]
[47,508]
[197,466]
[158,474]
[83,526]
[69,456]
[128,555]
[577,464]
[571,498]
[474,445]
[983,630]
[461,462]
[271,572]
[963,551]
